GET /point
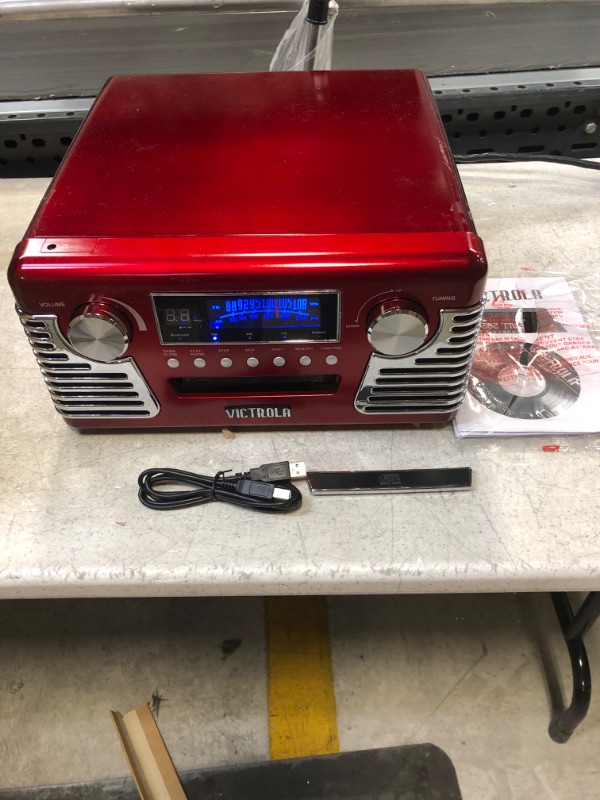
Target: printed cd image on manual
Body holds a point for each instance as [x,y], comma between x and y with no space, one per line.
[535,368]
[520,381]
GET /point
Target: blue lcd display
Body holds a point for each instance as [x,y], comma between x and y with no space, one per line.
[242,318]
[246,313]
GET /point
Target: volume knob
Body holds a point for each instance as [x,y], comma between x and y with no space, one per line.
[99,332]
[396,327]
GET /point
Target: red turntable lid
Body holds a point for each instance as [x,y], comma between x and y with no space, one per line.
[267,153]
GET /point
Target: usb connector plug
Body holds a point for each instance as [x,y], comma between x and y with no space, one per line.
[266,491]
[278,471]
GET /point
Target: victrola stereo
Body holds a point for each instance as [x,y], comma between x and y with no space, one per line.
[254,249]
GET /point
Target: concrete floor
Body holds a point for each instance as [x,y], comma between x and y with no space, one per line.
[467,673]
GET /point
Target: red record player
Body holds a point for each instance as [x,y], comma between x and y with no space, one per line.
[254,249]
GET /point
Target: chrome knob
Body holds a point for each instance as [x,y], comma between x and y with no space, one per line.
[396,327]
[99,332]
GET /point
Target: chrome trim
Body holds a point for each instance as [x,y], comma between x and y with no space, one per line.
[389,490]
[81,388]
[118,326]
[431,380]
[397,310]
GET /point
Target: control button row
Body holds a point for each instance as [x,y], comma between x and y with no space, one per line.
[278,361]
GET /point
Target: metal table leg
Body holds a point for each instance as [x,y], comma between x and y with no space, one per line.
[574,627]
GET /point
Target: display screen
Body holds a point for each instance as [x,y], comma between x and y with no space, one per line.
[241,318]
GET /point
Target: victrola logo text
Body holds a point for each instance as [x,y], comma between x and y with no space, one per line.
[257,412]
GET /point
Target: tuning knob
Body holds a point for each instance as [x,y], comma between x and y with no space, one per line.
[99,332]
[396,327]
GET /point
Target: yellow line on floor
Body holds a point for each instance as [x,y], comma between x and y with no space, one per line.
[302,715]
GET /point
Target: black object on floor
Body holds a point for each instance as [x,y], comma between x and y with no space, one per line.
[574,627]
[413,772]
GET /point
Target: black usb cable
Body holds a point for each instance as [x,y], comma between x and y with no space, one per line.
[267,488]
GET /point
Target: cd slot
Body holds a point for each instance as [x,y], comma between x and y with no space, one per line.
[256,385]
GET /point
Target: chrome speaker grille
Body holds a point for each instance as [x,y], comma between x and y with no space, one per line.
[432,380]
[81,388]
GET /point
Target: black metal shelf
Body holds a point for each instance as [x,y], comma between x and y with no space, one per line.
[545,112]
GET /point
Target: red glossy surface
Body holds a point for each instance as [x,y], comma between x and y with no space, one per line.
[297,152]
[166,174]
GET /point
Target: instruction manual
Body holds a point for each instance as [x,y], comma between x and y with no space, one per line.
[536,369]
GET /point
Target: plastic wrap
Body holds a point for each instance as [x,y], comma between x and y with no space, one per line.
[305,45]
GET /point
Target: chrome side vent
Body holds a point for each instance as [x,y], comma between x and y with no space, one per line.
[432,380]
[80,387]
